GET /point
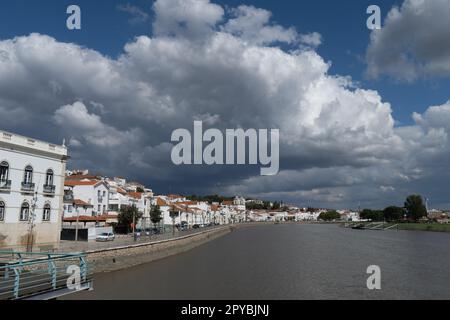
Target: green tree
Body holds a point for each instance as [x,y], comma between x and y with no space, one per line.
[329,216]
[276,205]
[393,213]
[155,215]
[127,216]
[173,214]
[415,209]
[373,215]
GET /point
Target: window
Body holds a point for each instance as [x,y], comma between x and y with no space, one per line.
[28,177]
[25,212]
[2,211]
[104,193]
[98,194]
[4,171]
[104,209]
[46,213]
[99,208]
[49,178]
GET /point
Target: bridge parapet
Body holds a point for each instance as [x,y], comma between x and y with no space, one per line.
[29,275]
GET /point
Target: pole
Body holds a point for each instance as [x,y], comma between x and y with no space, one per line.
[134,225]
[76,226]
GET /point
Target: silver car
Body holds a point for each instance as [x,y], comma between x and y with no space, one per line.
[106,236]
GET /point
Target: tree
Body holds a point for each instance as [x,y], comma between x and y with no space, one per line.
[173,214]
[128,215]
[155,215]
[329,216]
[393,213]
[373,215]
[276,205]
[415,209]
[140,190]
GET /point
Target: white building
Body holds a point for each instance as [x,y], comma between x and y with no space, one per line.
[32,176]
[93,192]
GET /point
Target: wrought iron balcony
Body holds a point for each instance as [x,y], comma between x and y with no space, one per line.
[5,185]
[28,187]
[68,196]
[49,189]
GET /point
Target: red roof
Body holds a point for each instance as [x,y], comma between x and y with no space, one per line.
[79,202]
[71,183]
[161,202]
[135,195]
[102,218]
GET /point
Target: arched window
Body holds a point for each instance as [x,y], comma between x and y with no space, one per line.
[2,211]
[49,178]
[4,171]
[46,213]
[25,212]
[28,177]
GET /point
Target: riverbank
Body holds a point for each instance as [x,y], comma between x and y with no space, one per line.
[434,227]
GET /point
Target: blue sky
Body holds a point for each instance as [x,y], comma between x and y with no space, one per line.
[341,23]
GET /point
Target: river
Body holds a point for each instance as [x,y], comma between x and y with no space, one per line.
[291,261]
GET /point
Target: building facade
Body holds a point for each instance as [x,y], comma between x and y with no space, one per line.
[32,176]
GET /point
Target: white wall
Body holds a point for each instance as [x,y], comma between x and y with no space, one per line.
[12,231]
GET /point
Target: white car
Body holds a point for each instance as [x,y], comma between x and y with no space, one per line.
[106,236]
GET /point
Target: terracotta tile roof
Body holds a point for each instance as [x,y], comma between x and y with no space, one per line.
[122,191]
[135,195]
[188,203]
[81,177]
[102,218]
[71,183]
[79,202]
[161,202]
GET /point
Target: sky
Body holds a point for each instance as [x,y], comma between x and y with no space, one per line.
[363,115]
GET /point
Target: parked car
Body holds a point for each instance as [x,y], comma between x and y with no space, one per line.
[106,236]
[196,226]
[183,226]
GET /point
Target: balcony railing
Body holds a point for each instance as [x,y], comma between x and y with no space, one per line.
[28,187]
[5,185]
[49,189]
[68,196]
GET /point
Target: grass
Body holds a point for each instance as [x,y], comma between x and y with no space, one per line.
[436,227]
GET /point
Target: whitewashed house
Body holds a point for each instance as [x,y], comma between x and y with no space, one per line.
[94,192]
[32,174]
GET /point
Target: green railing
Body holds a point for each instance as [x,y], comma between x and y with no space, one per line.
[28,275]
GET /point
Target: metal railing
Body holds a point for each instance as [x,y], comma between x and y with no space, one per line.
[5,184]
[27,275]
[28,187]
[49,189]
